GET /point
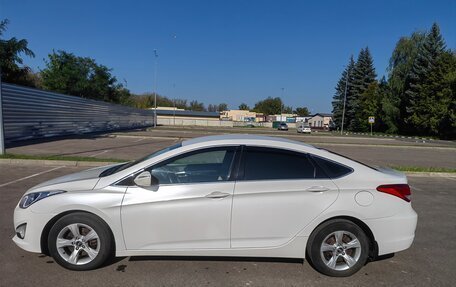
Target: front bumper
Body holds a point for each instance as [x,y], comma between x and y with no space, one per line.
[395,233]
[35,226]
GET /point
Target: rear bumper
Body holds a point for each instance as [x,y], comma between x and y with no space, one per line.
[395,233]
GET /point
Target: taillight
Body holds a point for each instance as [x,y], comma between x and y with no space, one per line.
[400,190]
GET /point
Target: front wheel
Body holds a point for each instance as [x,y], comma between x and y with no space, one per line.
[80,241]
[338,248]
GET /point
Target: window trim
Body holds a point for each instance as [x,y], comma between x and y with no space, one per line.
[244,149]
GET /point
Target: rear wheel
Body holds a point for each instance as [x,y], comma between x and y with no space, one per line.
[80,241]
[338,248]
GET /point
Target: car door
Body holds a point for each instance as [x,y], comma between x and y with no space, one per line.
[190,208]
[278,193]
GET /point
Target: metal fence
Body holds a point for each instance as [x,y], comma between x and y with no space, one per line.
[31,114]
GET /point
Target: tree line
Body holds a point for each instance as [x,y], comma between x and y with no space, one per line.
[418,96]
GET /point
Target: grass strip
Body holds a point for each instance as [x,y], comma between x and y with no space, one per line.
[424,169]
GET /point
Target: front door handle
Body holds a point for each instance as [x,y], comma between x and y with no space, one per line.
[317,188]
[217,194]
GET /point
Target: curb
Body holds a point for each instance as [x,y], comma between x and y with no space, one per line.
[40,162]
[37,162]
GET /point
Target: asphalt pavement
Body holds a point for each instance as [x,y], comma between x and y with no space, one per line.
[429,262]
[131,145]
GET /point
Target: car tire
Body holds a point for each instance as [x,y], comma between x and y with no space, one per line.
[338,248]
[80,241]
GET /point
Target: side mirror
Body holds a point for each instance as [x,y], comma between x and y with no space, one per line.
[143,179]
[146,179]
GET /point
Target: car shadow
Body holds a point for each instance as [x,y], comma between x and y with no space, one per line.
[216,258]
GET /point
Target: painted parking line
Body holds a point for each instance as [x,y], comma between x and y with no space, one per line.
[99,153]
[30,176]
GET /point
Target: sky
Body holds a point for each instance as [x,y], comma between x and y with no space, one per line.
[226,51]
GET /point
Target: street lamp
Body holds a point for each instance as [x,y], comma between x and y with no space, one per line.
[155,88]
[174,106]
[345,99]
[281,105]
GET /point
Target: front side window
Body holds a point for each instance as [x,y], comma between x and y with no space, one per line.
[276,164]
[208,165]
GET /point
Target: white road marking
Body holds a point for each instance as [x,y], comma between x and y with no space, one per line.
[141,139]
[30,176]
[98,153]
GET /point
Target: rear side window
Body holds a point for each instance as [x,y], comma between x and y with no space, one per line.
[332,169]
[275,164]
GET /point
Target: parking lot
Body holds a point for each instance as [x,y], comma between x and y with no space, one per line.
[135,144]
[429,262]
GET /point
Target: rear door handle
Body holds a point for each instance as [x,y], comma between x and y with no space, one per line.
[217,194]
[317,188]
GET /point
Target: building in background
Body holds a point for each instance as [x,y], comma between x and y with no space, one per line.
[170,114]
[287,118]
[260,118]
[321,121]
[303,119]
[238,116]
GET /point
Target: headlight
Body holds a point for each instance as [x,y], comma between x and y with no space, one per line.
[31,198]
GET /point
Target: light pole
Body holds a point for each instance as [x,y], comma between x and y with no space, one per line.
[174,105]
[155,88]
[281,105]
[345,99]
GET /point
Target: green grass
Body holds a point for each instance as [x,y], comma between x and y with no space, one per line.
[424,169]
[57,157]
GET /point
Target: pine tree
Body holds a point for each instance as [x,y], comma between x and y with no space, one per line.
[363,76]
[338,98]
[423,101]
[388,116]
[400,67]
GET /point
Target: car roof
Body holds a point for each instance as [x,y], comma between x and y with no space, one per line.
[243,139]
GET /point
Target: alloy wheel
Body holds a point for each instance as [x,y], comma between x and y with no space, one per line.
[78,243]
[340,250]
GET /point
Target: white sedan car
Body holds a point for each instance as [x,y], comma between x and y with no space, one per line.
[231,195]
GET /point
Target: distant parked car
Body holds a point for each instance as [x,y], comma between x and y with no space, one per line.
[304,128]
[283,127]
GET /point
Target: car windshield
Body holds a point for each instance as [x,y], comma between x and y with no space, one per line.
[126,165]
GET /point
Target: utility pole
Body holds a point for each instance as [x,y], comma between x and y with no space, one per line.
[155,88]
[345,99]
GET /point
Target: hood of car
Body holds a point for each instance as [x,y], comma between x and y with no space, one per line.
[83,180]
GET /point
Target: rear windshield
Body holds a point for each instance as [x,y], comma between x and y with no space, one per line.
[126,165]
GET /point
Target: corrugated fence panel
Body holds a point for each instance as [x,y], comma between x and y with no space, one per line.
[30,114]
